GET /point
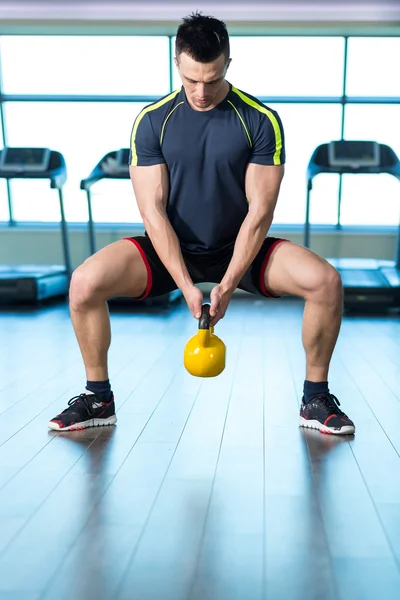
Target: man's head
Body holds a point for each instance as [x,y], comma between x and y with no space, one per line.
[202,57]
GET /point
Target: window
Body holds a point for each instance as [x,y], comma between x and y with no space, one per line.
[306,126]
[302,70]
[83,132]
[373,67]
[4,215]
[285,66]
[132,65]
[372,199]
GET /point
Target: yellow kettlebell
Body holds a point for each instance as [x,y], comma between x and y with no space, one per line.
[204,354]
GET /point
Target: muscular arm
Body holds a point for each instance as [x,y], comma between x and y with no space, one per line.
[150,185]
[262,189]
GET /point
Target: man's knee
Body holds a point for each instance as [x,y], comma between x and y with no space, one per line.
[327,285]
[84,287]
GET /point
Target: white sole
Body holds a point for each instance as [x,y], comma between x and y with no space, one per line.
[345,430]
[90,423]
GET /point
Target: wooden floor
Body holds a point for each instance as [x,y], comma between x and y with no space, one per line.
[205,489]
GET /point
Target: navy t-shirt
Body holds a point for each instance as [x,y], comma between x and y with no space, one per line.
[206,153]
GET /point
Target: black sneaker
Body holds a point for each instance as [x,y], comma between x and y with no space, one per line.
[85,410]
[323,413]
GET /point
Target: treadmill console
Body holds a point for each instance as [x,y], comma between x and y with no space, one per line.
[118,165]
[25,160]
[353,154]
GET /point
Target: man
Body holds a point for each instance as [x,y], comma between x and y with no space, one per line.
[206,166]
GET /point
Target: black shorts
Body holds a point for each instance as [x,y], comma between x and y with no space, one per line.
[203,268]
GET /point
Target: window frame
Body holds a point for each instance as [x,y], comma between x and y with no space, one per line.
[343,100]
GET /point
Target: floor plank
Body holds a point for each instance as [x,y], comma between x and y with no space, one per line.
[231,554]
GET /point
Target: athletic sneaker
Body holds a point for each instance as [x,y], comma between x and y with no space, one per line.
[323,413]
[85,410]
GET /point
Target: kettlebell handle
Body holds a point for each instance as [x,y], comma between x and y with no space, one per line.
[204,321]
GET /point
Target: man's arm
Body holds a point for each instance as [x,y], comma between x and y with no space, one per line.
[262,190]
[151,185]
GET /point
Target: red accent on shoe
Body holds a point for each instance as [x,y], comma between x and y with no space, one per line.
[330,417]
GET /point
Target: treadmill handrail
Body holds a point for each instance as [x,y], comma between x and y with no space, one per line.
[59,174]
[98,173]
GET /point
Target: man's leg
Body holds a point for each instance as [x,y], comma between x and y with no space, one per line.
[118,269]
[292,269]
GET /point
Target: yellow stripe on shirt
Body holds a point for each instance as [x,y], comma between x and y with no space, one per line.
[272,118]
[134,160]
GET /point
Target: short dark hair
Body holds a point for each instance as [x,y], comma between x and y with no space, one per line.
[203,38]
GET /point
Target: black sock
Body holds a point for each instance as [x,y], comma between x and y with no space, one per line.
[102,388]
[313,388]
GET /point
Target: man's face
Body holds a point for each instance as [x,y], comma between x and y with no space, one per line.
[202,81]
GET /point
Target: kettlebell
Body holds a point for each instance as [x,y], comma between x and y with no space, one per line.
[204,354]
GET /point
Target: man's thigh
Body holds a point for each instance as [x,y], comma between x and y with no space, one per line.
[116,269]
[293,269]
[253,280]
[159,281]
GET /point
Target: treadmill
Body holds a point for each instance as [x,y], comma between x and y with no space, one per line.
[367,283]
[115,165]
[31,283]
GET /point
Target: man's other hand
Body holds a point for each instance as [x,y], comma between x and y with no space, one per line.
[194,299]
[220,298]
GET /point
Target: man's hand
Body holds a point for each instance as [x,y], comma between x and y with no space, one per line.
[220,298]
[194,299]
